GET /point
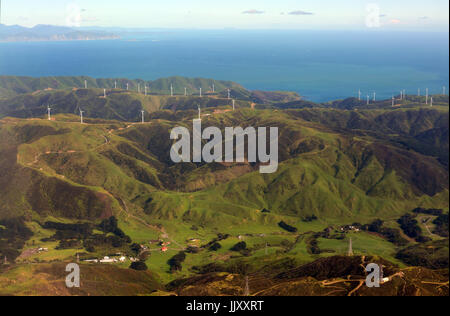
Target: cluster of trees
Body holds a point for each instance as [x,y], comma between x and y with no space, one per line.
[139,266]
[81,235]
[240,246]
[441,223]
[13,235]
[287,227]
[433,212]
[410,227]
[393,235]
[309,219]
[176,261]
[216,246]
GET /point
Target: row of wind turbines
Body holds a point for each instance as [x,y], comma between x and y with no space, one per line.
[147,90]
[403,96]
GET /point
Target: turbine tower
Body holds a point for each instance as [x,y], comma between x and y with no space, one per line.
[199,112]
[350,248]
[374,97]
[185,91]
[368,99]
[81,117]
[145,89]
[404,94]
[200,92]
[171,90]
[359,95]
[214,88]
[401,94]
[85,84]
[115,84]
[104,93]
[393,101]
[139,88]
[49,113]
[128,86]
[431,102]
[234,104]
[426,102]
[143,116]
[247,288]
[229,94]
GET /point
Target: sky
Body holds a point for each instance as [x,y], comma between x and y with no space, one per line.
[417,15]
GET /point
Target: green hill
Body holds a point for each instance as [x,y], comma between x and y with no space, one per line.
[337,168]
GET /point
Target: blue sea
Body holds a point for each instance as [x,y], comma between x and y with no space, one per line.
[320,65]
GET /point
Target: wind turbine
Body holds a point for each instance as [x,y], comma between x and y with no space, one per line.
[171,90]
[104,93]
[426,102]
[143,116]
[431,103]
[128,86]
[145,89]
[393,101]
[234,104]
[200,92]
[199,112]
[229,94]
[214,88]
[374,97]
[185,91]
[81,117]
[85,84]
[139,88]
[49,113]
[401,94]
[404,93]
[359,95]
[115,84]
[368,99]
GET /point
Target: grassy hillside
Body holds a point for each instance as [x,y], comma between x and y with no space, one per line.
[337,167]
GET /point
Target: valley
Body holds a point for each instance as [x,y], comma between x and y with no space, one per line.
[108,188]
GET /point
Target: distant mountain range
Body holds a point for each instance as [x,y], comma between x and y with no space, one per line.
[17,33]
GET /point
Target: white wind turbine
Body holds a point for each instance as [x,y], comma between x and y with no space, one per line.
[81,116]
[143,116]
[199,112]
[49,113]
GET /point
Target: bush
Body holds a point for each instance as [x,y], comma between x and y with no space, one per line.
[287,227]
[239,246]
[216,246]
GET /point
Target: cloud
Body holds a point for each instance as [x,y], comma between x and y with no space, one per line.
[90,19]
[300,12]
[253,11]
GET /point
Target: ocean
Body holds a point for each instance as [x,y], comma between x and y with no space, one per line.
[320,65]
